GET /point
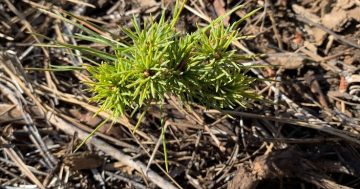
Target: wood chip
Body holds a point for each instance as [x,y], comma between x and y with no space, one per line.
[84,160]
[336,20]
[289,61]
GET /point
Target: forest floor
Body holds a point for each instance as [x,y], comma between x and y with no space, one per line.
[305,134]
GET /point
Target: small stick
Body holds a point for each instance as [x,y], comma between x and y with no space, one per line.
[327,30]
[21,165]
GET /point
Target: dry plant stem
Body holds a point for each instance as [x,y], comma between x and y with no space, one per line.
[156,147]
[315,122]
[72,99]
[194,117]
[127,180]
[34,134]
[17,81]
[40,144]
[113,152]
[12,175]
[22,166]
[198,13]
[78,2]
[28,26]
[70,129]
[327,30]
[277,165]
[321,126]
[112,140]
[273,24]
[149,155]
[109,150]
[228,165]
[12,154]
[32,169]
[101,145]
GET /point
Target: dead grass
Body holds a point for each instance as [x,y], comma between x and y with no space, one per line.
[306,133]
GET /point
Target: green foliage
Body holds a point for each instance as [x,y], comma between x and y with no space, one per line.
[157,60]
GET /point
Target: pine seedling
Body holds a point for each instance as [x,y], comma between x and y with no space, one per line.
[155,60]
[197,67]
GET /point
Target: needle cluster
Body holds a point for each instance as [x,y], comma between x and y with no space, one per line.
[156,60]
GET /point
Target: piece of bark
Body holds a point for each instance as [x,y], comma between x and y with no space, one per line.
[83,160]
[244,179]
[335,20]
[10,114]
[288,61]
[316,89]
[354,13]
[305,13]
[319,35]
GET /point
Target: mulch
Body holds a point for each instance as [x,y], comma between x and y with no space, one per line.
[304,134]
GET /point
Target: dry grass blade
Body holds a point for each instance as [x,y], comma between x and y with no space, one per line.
[70,130]
[21,165]
[111,151]
[309,121]
[321,126]
[80,2]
